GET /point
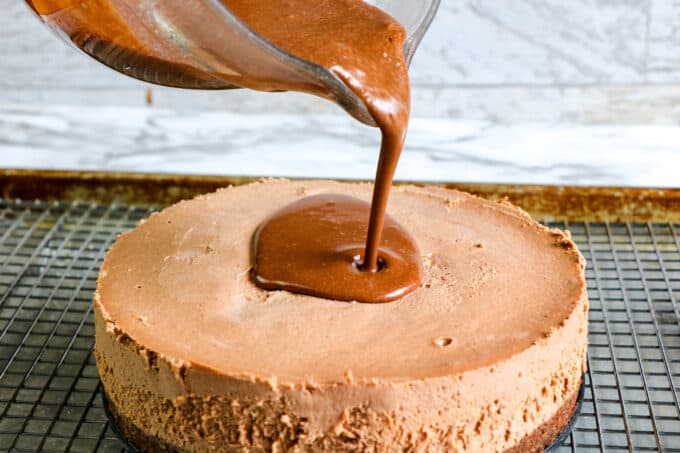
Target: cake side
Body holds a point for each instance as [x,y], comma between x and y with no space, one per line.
[535,442]
[489,409]
[461,398]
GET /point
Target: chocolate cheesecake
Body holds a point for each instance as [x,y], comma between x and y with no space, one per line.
[487,354]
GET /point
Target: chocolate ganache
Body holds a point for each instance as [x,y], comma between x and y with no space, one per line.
[312,246]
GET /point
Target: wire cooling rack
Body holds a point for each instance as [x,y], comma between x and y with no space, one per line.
[49,388]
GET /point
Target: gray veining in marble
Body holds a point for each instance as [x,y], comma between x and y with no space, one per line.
[518,91]
[152,140]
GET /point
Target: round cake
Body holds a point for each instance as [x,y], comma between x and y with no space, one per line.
[487,354]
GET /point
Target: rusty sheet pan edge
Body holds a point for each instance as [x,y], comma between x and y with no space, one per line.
[559,203]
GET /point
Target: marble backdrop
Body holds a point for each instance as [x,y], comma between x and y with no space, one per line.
[334,146]
[523,91]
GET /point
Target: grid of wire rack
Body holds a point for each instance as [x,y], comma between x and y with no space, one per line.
[49,388]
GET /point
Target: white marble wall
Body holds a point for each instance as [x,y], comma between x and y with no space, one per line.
[508,61]
[517,91]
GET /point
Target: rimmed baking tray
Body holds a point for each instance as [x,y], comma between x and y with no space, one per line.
[56,226]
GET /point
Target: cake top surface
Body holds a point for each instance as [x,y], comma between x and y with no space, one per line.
[495,283]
